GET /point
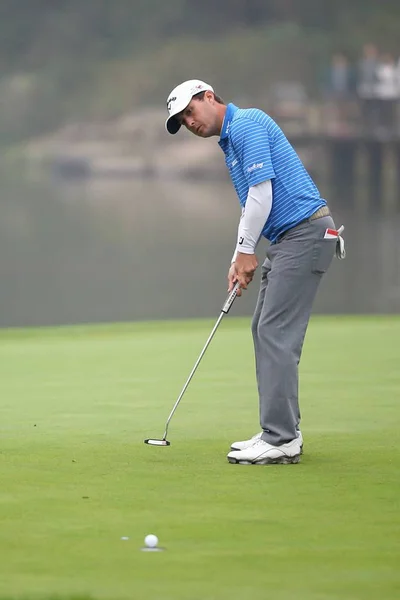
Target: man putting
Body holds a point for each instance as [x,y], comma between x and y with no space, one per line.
[279,201]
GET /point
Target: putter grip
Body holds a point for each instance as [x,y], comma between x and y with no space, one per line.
[230,299]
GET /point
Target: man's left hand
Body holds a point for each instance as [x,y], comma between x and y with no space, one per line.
[246,265]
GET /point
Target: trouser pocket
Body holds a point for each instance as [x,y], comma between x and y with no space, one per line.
[323,252]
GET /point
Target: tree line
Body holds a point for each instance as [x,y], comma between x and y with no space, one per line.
[33,31]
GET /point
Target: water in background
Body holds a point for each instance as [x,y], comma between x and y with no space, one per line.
[122,250]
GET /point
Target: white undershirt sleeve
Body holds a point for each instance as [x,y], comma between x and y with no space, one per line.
[253,218]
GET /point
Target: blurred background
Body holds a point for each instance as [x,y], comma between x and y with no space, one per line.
[105,217]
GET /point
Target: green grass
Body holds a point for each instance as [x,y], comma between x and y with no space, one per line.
[75,476]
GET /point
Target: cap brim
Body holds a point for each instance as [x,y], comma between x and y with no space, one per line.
[172,125]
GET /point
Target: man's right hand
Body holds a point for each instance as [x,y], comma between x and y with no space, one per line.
[232,279]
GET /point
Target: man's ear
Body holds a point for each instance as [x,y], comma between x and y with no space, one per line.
[209,95]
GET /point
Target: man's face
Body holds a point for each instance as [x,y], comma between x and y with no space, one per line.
[201,116]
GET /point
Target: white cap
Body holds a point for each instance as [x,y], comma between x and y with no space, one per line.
[179,98]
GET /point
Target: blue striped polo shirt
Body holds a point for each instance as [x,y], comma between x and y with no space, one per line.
[256,149]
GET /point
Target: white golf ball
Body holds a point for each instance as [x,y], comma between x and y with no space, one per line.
[151,540]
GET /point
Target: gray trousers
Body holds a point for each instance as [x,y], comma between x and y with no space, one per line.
[290,277]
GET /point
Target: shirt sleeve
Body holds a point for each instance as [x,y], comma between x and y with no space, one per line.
[251,142]
[254,216]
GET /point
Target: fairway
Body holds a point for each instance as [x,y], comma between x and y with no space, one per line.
[76,405]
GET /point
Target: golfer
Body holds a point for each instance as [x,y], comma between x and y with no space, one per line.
[279,201]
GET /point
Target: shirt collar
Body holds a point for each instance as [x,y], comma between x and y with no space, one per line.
[229,114]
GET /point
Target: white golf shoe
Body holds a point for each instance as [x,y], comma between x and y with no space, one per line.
[262,453]
[247,443]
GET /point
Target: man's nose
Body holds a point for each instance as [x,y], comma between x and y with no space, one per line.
[189,122]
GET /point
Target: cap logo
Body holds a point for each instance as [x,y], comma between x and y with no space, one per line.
[169,103]
[198,88]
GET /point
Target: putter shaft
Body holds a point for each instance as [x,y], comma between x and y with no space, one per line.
[224,310]
[192,373]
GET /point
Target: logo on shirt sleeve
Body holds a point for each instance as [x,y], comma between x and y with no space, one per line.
[255,166]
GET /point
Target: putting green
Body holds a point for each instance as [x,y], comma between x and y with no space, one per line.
[77,403]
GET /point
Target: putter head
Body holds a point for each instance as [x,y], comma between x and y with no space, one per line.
[152,442]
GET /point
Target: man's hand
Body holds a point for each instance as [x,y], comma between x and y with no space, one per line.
[245,266]
[232,279]
[242,270]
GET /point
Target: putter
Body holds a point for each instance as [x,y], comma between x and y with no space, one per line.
[224,311]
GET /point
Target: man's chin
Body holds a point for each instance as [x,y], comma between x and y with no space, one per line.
[203,132]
